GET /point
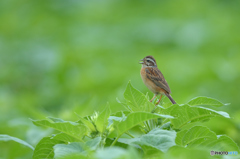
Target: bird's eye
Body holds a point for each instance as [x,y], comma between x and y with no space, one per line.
[148,60]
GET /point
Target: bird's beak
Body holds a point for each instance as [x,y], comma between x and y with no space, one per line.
[141,62]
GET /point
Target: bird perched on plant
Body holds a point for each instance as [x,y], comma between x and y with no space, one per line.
[153,78]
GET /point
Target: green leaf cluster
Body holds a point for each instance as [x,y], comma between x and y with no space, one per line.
[143,130]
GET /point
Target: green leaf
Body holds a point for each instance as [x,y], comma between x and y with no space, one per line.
[72,129]
[118,116]
[178,152]
[186,114]
[102,120]
[86,122]
[75,148]
[93,144]
[110,152]
[202,137]
[73,156]
[150,151]
[10,138]
[124,105]
[205,101]
[117,152]
[65,138]
[180,136]
[134,119]
[56,120]
[63,150]
[222,143]
[195,134]
[136,100]
[159,139]
[44,148]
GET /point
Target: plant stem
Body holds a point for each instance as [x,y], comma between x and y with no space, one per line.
[129,134]
[146,122]
[114,142]
[165,121]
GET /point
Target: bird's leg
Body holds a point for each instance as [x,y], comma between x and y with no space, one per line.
[153,98]
[159,99]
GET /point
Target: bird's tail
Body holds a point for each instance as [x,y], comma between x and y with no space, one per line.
[171,99]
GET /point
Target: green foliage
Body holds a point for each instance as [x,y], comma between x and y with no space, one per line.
[203,137]
[59,57]
[75,130]
[205,101]
[94,42]
[136,101]
[102,120]
[158,140]
[128,134]
[186,114]
[134,119]
[44,148]
[10,138]
[62,150]
[117,152]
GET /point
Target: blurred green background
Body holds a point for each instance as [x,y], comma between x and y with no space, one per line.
[58,57]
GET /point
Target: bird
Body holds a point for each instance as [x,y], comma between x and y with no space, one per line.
[154,80]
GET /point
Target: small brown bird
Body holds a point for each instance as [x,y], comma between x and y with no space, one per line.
[153,78]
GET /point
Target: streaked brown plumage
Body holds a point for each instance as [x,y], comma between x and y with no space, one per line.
[154,79]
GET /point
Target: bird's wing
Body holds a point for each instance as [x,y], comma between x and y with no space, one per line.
[156,76]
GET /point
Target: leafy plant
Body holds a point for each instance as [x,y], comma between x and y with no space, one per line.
[140,131]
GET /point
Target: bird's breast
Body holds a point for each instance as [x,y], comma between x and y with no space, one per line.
[150,84]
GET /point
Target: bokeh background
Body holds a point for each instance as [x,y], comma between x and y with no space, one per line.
[58,57]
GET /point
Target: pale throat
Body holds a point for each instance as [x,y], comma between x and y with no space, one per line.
[144,66]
